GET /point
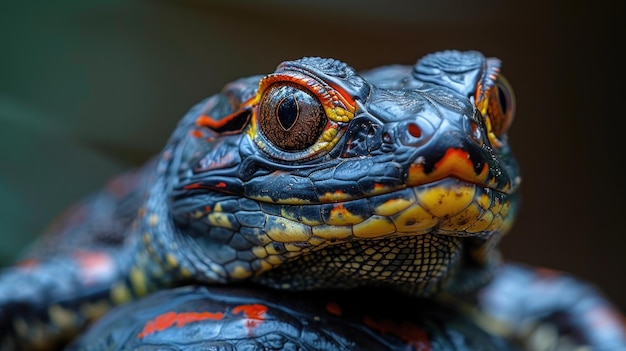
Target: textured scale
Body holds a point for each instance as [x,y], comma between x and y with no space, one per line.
[288,192]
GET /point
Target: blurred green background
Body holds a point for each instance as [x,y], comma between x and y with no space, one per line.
[89,88]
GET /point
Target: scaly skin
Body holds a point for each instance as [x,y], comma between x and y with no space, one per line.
[311,177]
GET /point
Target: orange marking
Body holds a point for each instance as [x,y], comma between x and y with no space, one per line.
[455,162]
[170,319]
[334,309]
[408,332]
[254,313]
[196,133]
[455,155]
[220,185]
[207,121]
[193,186]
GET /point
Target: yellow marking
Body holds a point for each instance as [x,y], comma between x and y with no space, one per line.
[497,224]
[329,135]
[293,248]
[171,260]
[264,239]
[153,220]
[239,272]
[289,200]
[444,201]
[374,226]
[197,214]
[482,223]
[463,219]
[220,219]
[484,201]
[259,252]
[392,206]
[315,241]
[146,238]
[218,207]
[274,260]
[335,196]
[415,219]
[93,310]
[271,250]
[62,318]
[120,293]
[310,221]
[265,266]
[284,230]
[329,232]
[497,205]
[341,216]
[339,114]
[184,272]
[138,281]
[506,206]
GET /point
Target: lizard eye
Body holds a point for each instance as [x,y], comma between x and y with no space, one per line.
[290,117]
[501,106]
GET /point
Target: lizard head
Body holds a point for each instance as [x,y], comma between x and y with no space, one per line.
[317,176]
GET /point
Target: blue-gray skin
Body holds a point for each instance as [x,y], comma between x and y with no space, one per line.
[312,177]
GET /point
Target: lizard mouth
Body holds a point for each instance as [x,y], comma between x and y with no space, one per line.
[411,239]
[449,206]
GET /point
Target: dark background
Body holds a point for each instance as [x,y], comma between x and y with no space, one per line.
[89,88]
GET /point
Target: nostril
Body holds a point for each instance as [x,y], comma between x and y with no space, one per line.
[414,130]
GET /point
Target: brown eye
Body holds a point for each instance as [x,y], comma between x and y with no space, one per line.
[291,118]
[501,106]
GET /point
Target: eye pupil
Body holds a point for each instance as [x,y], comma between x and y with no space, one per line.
[287,112]
[504,104]
[291,117]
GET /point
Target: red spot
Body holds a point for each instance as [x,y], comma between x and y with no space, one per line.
[254,313]
[171,319]
[414,130]
[196,133]
[411,333]
[95,267]
[207,208]
[334,309]
[220,185]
